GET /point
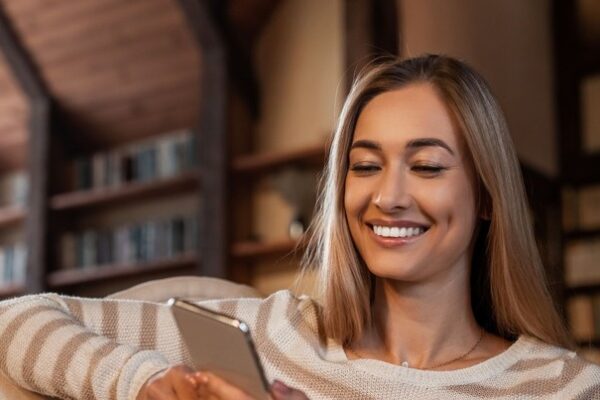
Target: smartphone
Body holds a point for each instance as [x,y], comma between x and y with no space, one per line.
[222,345]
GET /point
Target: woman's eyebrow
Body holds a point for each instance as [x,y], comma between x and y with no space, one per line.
[366,144]
[426,142]
[413,144]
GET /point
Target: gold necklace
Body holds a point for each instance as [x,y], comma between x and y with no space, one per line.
[462,356]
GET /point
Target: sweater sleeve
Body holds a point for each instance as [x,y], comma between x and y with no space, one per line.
[86,348]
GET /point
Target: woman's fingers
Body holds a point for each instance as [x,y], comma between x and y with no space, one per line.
[212,386]
[184,386]
[281,391]
[171,384]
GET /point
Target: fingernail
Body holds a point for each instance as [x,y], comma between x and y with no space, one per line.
[280,387]
[201,378]
[190,378]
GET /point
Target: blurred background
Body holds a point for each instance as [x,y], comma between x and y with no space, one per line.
[143,139]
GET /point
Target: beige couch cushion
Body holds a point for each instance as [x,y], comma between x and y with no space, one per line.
[189,287]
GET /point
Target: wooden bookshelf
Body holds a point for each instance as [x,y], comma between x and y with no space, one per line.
[184,182]
[253,250]
[11,290]
[11,215]
[70,277]
[257,164]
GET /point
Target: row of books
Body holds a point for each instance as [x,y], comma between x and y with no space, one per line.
[13,260]
[582,262]
[584,316]
[160,157]
[132,243]
[13,189]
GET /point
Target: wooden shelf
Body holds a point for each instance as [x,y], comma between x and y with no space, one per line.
[595,342]
[71,277]
[252,249]
[11,290]
[11,215]
[260,163]
[593,288]
[133,191]
[581,234]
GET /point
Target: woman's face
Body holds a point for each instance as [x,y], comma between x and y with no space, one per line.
[409,197]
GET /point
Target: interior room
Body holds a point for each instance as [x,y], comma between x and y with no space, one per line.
[151,139]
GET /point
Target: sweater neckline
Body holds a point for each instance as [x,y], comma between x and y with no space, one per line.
[474,373]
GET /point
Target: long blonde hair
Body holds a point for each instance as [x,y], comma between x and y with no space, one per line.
[509,293]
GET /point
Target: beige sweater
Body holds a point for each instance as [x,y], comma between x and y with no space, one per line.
[106,349]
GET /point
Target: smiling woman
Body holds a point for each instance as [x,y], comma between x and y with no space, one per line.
[422,143]
[431,285]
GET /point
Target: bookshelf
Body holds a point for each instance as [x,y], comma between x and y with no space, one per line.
[94,82]
[23,114]
[577,77]
[252,168]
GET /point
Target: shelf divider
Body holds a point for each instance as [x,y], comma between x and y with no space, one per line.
[256,249]
[265,162]
[185,181]
[70,277]
[11,290]
[11,215]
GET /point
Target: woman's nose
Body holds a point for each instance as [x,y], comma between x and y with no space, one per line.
[392,193]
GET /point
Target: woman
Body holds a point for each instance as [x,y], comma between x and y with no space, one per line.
[431,284]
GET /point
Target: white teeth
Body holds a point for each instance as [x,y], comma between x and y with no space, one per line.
[386,231]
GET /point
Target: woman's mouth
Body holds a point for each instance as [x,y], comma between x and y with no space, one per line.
[391,236]
[396,232]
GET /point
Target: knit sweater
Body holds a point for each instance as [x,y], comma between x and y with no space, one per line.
[106,349]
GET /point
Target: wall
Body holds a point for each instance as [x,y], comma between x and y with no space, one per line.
[510,43]
[300,61]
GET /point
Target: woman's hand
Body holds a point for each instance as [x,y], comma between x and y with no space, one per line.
[175,383]
[212,387]
[182,383]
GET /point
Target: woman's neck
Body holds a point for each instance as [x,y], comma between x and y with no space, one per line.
[423,325]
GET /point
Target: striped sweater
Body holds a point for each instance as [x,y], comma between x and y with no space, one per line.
[106,349]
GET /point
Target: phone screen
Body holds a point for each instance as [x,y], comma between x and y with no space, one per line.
[222,345]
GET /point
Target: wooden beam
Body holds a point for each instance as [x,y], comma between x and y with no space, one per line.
[212,143]
[27,76]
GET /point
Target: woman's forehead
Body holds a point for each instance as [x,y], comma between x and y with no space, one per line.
[402,115]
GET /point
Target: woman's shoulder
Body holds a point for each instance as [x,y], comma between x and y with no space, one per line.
[281,306]
[559,368]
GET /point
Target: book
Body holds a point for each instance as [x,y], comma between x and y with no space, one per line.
[130,243]
[159,157]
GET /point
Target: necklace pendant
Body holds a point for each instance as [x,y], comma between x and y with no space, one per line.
[404,364]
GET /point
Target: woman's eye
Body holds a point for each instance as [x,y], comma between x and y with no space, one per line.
[364,168]
[428,169]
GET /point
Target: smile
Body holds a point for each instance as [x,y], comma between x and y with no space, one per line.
[396,232]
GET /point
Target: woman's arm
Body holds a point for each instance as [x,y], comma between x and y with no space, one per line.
[86,348]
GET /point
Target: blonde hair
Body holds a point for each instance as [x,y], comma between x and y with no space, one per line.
[509,294]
